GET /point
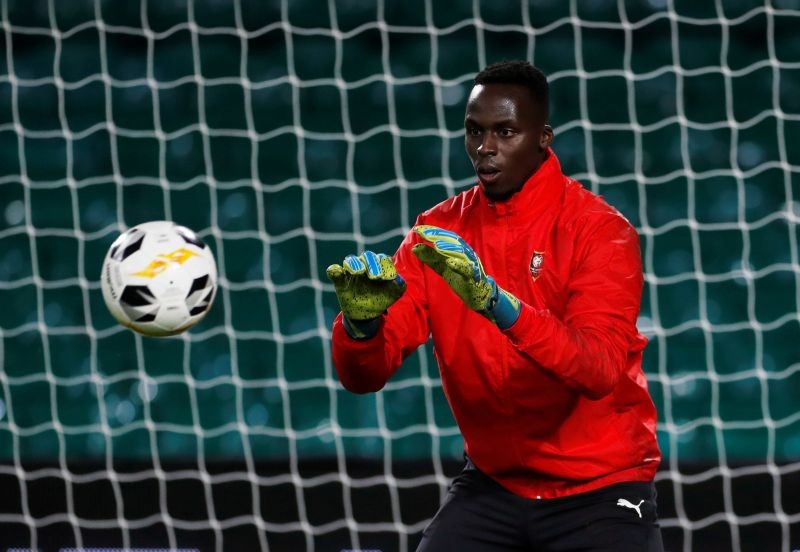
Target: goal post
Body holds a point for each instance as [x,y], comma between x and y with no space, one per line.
[290,134]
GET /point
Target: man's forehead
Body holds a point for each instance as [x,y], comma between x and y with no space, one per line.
[499,97]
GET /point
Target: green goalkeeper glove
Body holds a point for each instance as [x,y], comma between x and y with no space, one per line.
[366,285]
[455,261]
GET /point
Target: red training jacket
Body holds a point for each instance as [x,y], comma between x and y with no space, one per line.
[557,404]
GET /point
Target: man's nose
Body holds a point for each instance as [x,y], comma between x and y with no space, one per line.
[488,145]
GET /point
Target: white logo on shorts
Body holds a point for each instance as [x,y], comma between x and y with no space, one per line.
[625,504]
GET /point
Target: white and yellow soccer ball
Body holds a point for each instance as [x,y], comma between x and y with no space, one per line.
[159,278]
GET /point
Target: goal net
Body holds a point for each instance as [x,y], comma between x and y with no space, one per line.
[289,134]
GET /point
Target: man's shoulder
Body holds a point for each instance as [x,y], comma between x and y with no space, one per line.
[452,207]
[583,209]
[595,227]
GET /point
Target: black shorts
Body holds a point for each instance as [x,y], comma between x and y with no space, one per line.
[481,516]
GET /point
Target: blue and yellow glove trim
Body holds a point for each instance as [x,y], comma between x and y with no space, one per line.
[366,285]
[454,260]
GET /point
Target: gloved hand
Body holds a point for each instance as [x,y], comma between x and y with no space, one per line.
[455,261]
[366,285]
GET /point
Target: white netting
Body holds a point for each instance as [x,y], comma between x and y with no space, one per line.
[291,134]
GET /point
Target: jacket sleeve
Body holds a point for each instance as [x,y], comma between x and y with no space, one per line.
[366,365]
[589,348]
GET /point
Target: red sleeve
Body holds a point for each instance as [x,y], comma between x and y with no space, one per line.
[366,365]
[589,348]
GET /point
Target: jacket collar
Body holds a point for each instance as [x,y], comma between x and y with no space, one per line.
[540,191]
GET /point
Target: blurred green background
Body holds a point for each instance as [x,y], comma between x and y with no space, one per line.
[291,135]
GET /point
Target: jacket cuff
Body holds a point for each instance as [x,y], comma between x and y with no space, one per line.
[361,330]
[528,321]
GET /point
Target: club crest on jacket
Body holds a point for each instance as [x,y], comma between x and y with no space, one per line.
[537,264]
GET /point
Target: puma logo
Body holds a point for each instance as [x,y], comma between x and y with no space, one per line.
[626,504]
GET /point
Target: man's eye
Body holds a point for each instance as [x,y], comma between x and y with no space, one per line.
[506,132]
[473,131]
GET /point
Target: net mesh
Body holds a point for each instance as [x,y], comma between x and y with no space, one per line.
[289,134]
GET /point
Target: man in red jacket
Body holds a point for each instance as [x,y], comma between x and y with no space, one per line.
[530,286]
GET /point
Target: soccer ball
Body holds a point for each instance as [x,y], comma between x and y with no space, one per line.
[159,278]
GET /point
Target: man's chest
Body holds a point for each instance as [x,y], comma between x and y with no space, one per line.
[532,260]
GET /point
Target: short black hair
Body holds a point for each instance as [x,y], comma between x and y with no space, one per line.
[522,73]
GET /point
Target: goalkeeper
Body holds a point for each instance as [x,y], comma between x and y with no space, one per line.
[530,286]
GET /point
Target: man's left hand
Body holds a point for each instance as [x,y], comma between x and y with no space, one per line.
[455,261]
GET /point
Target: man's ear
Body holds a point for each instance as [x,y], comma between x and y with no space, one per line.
[546,138]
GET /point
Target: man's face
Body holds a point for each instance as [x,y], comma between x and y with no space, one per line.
[506,137]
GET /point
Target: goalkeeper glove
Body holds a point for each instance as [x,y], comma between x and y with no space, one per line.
[366,285]
[455,261]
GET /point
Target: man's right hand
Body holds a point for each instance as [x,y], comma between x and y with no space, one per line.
[366,285]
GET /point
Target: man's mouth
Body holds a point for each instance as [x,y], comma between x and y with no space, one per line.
[488,175]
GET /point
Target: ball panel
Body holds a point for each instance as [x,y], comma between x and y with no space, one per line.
[137,296]
[202,305]
[126,245]
[198,300]
[198,284]
[189,236]
[149,317]
[171,316]
[139,304]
